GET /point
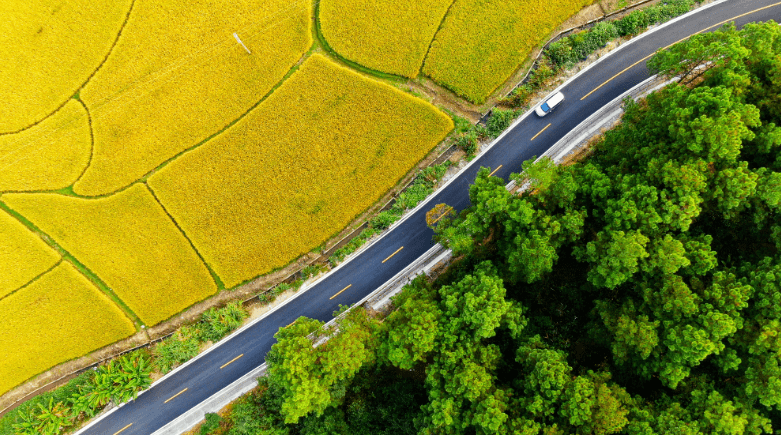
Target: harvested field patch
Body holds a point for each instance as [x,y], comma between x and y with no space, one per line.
[49,48]
[177,76]
[51,155]
[23,255]
[129,242]
[59,317]
[297,169]
[385,35]
[482,42]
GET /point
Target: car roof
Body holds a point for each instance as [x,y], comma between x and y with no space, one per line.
[555,99]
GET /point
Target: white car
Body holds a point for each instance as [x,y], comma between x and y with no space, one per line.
[548,106]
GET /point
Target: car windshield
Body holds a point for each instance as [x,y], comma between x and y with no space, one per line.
[545,107]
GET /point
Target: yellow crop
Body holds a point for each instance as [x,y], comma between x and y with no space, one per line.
[177,76]
[482,42]
[129,242]
[49,49]
[23,255]
[56,318]
[386,35]
[320,150]
[48,156]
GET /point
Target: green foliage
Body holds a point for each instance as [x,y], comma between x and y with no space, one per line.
[210,424]
[311,378]
[216,323]
[577,47]
[174,350]
[28,410]
[499,121]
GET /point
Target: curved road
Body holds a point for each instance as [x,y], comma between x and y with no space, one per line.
[616,73]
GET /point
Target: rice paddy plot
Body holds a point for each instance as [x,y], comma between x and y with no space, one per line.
[129,242]
[320,150]
[48,156]
[23,255]
[49,49]
[482,42]
[386,35]
[56,318]
[178,76]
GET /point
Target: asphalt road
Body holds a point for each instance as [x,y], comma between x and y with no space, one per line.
[363,274]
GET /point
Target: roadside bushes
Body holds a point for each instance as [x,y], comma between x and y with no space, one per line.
[577,47]
[185,343]
[116,382]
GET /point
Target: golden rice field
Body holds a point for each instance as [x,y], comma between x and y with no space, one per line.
[23,255]
[48,156]
[385,35]
[297,169]
[59,44]
[482,42]
[129,242]
[57,317]
[177,76]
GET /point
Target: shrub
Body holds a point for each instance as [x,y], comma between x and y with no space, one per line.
[468,142]
[560,52]
[412,195]
[632,24]
[499,121]
[211,423]
[385,219]
[216,323]
[174,350]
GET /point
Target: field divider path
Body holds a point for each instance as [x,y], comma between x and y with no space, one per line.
[439,27]
[330,52]
[92,141]
[215,277]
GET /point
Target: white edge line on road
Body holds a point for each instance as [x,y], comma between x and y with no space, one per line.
[425,202]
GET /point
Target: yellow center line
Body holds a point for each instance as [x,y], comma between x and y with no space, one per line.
[174,396]
[670,45]
[291,323]
[443,215]
[535,136]
[389,256]
[115,433]
[234,359]
[497,168]
[340,292]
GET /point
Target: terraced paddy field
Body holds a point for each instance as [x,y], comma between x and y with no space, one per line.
[148,160]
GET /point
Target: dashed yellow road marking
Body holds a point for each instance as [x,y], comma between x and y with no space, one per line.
[174,396]
[540,132]
[234,359]
[389,256]
[497,168]
[340,292]
[115,433]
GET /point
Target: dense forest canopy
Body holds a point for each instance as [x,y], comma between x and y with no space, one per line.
[635,292]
